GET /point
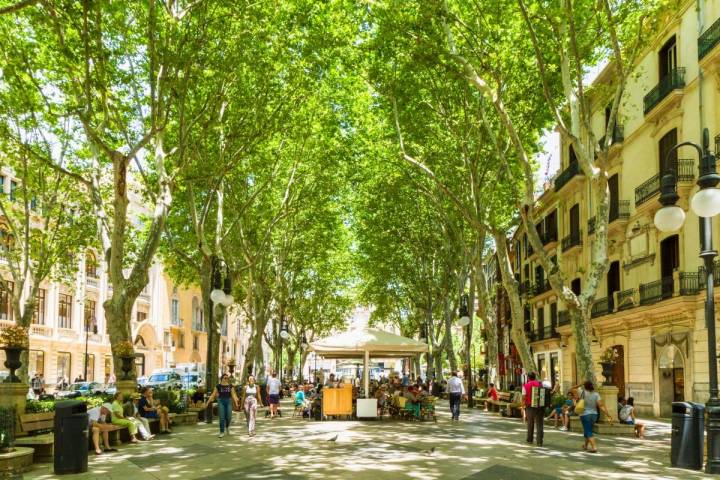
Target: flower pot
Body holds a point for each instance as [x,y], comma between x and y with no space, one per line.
[127,365]
[12,363]
[607,371]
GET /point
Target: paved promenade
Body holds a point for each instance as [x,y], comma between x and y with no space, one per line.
[480,446]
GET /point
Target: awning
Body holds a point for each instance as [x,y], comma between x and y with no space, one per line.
[377,343]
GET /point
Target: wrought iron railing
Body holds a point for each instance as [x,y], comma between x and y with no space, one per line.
[674,79]
[684,169]
[689,283]
[549,237]
[618,135]
[541,287]
[709,39]
[567,175]
[572,240]
[623,297]
[602,306]
[591,225]
[619,211]
[524,287]
[656,291]
[716,275]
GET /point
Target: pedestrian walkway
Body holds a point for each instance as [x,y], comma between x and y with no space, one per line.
[479,446]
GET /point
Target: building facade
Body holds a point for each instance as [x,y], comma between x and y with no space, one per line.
[650,305]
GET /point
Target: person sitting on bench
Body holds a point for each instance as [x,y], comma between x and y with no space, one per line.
[492,394]
[147,409]
[133,425]
[97,423]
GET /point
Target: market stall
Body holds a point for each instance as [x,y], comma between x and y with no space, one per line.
[364,343]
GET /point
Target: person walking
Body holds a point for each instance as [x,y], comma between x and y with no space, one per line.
[250,401]
[273,392]
[592,405]
[225,394]
[535,415]
[456,390]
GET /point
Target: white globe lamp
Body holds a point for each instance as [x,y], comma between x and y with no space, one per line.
[217,295]
[464,321]
[227,300]
[706,202]
[669,218]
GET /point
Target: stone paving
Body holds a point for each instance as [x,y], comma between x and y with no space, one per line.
[479,446]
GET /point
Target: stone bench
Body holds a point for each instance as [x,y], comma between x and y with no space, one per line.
[35,431]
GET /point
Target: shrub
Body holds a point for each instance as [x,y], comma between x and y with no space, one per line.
[39,406]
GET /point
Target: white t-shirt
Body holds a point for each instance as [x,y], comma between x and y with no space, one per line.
[626,413]
[455,385]
[273,386]
[95,416]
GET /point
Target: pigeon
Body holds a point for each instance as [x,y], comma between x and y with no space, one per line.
[333,439]
[429,452]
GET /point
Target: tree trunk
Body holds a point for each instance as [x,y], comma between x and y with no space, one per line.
[583,355]
[488,313]
[449,350]
[516,309]
[118,313]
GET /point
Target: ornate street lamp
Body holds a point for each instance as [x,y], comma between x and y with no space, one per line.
[464,320]
[706,204]
[220,295]
[88,322]
[284,335]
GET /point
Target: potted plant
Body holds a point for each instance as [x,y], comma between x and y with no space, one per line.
[231,366]
[13,339]
[607,362]
[126,352]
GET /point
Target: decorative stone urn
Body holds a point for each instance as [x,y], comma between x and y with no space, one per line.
[607,372]
[127,366]
[12,362]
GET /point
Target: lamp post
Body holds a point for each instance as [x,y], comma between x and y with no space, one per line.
[284,334]
[303,346]
[220,295]
[464,321]
[423,339]
[88,321]
[706,204]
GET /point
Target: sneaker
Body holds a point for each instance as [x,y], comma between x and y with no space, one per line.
[222,434]
[227,431]
[563,429]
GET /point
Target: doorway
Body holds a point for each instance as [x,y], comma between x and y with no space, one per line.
[613,188]
[613,283]
[618,374]
[671,375]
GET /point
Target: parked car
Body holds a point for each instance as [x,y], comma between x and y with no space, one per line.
[191,380]
[110,389]
[141,381]
[164,380]
[80,389]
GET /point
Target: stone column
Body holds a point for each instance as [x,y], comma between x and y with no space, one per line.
[609,395]
[14,395]
[127,387]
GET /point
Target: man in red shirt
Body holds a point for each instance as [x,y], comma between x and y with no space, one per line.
[535,415]
[491,394]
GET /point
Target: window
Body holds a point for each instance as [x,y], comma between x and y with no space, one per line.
[6,241]
[90,321]
[90,359]
[553,315]
[175,309]
[140,364]
[541,319]
[63,366]
[64,311]
[13,188]
[198,321]
[166,339]
[108,367]
[575,221]
[36,362]
[551,226]
[6,310]
[91,265]
[576,286]
[141,316]
[181,340]
[667,58]
[572,158]
[39,314]
[667,161]
[196,342]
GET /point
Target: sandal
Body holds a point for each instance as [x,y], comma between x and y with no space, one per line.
[111,450]
[592,451]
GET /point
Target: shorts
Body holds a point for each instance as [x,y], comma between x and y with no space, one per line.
[152,414]
[629,421]
[558,410]
[274,398]
[587,422]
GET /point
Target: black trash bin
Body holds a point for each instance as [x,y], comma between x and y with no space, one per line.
[71,437]
[688,440]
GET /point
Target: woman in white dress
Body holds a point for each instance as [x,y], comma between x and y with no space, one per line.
[250,401]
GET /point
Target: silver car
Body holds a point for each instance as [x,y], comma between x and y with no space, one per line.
[165,381]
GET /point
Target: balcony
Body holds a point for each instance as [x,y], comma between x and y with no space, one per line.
[42,330]
[626,299]
[572,240]
[617,137]
[709,39]
[619,211]
[548,237]
[539,288]
[656,291]
[703,277]
[524,287]
[91,281]
[689,283]
[602,306]
[685,172]
[566,175]
[675,79]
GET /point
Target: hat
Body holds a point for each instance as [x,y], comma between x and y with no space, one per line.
[135,396]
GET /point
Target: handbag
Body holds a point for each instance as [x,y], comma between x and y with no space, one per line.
[580,405]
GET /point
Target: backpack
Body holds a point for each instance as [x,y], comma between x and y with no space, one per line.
[540,397]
